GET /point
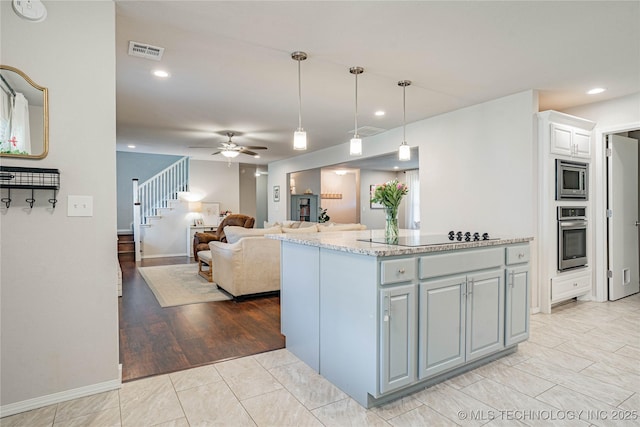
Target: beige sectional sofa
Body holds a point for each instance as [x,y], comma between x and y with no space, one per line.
[249,263]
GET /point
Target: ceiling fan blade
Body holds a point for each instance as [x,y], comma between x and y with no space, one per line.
[217,152]
[251,153]
[255,147]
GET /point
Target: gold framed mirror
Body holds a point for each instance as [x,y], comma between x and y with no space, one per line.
[24,115]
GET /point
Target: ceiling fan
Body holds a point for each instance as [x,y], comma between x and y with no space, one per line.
[230,149]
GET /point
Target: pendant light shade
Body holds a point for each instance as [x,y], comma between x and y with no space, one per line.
[404,151]
[355,146]
[299,136]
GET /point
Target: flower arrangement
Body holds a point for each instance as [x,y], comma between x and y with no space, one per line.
[390,195]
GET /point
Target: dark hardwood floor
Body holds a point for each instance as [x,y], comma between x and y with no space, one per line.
[156,340]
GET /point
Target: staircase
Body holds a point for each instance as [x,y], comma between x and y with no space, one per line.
[155,194]
[126,247]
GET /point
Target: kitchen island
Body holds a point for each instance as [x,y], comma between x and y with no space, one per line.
[380,321]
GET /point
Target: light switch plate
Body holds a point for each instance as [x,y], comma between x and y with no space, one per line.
[80,206]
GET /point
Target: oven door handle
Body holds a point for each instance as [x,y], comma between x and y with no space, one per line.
[565,224]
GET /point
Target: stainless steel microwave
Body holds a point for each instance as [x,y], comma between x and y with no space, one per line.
[572,180]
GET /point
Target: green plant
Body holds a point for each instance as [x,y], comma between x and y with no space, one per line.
[323,217]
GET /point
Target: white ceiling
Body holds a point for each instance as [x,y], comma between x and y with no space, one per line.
[231,66]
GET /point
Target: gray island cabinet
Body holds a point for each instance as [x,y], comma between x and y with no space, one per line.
[380,321]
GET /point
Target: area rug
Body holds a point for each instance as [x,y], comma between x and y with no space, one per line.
[180,285]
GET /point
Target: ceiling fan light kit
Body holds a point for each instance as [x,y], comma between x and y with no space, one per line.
[355,145]
[299,136]
[404,151]
[230,149]
[230,153]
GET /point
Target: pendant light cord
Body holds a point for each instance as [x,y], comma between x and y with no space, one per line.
[404,114]
[355,130]
[299,99]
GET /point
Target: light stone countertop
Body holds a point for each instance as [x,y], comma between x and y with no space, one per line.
[348,241]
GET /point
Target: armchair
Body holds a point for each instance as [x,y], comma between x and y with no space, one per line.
[201,240]
[249,266]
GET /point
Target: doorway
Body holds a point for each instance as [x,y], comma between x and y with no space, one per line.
[623,204]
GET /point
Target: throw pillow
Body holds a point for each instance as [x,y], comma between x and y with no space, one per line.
[341,227]
[267,224]
[235,233]
[301,230]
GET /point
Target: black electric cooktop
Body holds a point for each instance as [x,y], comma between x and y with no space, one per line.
[432,239]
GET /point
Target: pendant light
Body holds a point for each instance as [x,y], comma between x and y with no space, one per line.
[355,146]
[404,151]
[299,136]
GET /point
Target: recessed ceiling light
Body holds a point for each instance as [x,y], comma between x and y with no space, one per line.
[257,156]
[161,73]
[131,146]
[379,113]
[596,90]
[396,167]
[341,172]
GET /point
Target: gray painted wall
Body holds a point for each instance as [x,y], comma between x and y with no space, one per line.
[262,195]
[248,190]
[135,165]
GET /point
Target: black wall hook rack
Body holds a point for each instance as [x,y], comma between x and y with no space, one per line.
[13,177]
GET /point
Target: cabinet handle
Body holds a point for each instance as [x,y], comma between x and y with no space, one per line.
[511,278]
[401,270]
[470,289]
[575,284]
[521,255]
[387,311]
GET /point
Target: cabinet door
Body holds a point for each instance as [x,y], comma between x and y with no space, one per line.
[561,139]
[398,337]
[442,325]
[485,313]
[581,143]
[517,305]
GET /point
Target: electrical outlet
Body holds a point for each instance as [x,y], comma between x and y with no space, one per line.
[80,206]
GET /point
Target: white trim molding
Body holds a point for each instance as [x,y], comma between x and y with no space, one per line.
[600,202]
[63,396]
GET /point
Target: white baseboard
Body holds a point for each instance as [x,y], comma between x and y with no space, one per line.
[164,255]
[535,310]
[63,396]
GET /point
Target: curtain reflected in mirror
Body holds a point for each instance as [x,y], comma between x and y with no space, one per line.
[24,115]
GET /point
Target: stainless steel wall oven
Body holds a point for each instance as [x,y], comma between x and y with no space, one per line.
[572,237]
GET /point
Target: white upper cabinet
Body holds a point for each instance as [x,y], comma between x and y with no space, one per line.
[567,139]
[582,143]
[570,141]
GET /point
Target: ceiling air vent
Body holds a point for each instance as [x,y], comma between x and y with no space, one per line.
[369,130]
[147,51]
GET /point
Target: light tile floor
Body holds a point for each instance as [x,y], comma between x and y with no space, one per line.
[583,357]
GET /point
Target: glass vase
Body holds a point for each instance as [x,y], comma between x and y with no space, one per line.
[391,225]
